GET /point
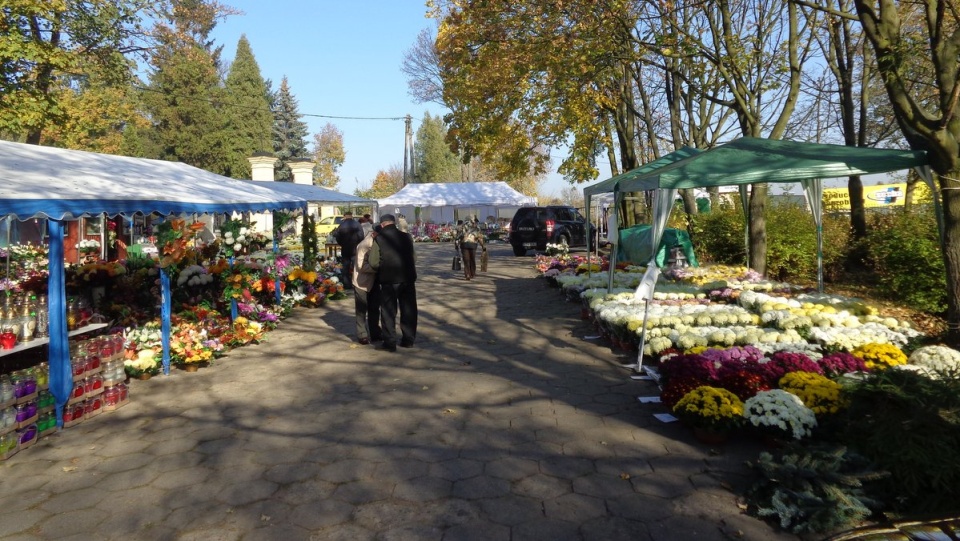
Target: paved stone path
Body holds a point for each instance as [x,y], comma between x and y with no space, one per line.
[501,424]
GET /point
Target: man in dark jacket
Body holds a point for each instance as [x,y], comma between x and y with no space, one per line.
[348,235]
[393,257]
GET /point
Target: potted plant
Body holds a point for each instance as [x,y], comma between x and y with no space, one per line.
[779,415]
[711,412]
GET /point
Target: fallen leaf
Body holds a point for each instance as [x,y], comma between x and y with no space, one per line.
[449,411]
[625,476]
[69,469]
[264,518]
[424,388]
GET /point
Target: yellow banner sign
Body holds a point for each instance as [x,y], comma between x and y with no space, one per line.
[877,196]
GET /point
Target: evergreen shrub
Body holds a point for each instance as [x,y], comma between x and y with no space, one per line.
[909,425]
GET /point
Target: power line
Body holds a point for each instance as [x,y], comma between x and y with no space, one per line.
[238,106]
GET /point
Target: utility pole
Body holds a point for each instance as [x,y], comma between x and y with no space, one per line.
[409,172]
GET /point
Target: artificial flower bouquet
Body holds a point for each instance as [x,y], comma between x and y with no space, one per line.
[235,235]
[146,361]
[189,343]
[96,274]
[710,408]
[194,276]
[780,414]
[89,246]
[557,250]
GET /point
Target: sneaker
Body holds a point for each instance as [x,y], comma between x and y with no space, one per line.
[364,341]
[406,344]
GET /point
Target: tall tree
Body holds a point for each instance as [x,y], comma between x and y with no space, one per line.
[247,110]
[184,90]
[532,75]
[421,65]
[435,162]
[386,183]
[901,34]
[758,48]
[42,41]
[97,114]
[329,155]
[289,131]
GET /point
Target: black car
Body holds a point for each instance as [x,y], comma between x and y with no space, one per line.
[535,227]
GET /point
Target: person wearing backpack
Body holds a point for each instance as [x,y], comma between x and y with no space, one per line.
[348,235]
[469,237]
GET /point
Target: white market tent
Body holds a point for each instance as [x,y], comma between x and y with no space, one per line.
[62,185]
[440,202]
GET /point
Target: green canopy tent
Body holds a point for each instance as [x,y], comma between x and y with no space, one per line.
[614,184]
[752,160]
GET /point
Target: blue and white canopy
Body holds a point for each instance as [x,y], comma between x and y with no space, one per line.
[47,182]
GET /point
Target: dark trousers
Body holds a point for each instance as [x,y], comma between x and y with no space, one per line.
[367,307]
[401,296]
[346,272]
[469,252]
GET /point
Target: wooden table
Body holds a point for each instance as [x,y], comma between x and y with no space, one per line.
[332,249]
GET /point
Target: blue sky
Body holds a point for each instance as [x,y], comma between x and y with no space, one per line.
[342,59]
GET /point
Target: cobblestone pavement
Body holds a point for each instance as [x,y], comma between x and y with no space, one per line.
[502,423]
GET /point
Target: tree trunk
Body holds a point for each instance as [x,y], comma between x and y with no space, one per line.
[758,228]
[689,202]
[858,216]
[951,256]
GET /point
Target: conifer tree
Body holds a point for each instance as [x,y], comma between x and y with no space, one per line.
[247,110]
[289,132]
[184,91]
[433,157]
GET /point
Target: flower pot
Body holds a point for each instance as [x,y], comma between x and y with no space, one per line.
[773,441]
[710,436]
[145,376]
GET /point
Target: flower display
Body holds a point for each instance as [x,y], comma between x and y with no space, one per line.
[817,392]
[194,276]
[880,356]
[174,237]
[688,366]
[234,234]
[190,343]
[782,363]
[88,246]
[936,359]
[556,249]
[146,361]
[711,408]
[300,277]
[780,413]
[675,389]
[840,363]
[743,382]
[94,274]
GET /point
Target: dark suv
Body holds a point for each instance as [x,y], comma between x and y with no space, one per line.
[535,227]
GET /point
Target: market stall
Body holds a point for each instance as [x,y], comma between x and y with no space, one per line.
[448,202]
[60,185]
